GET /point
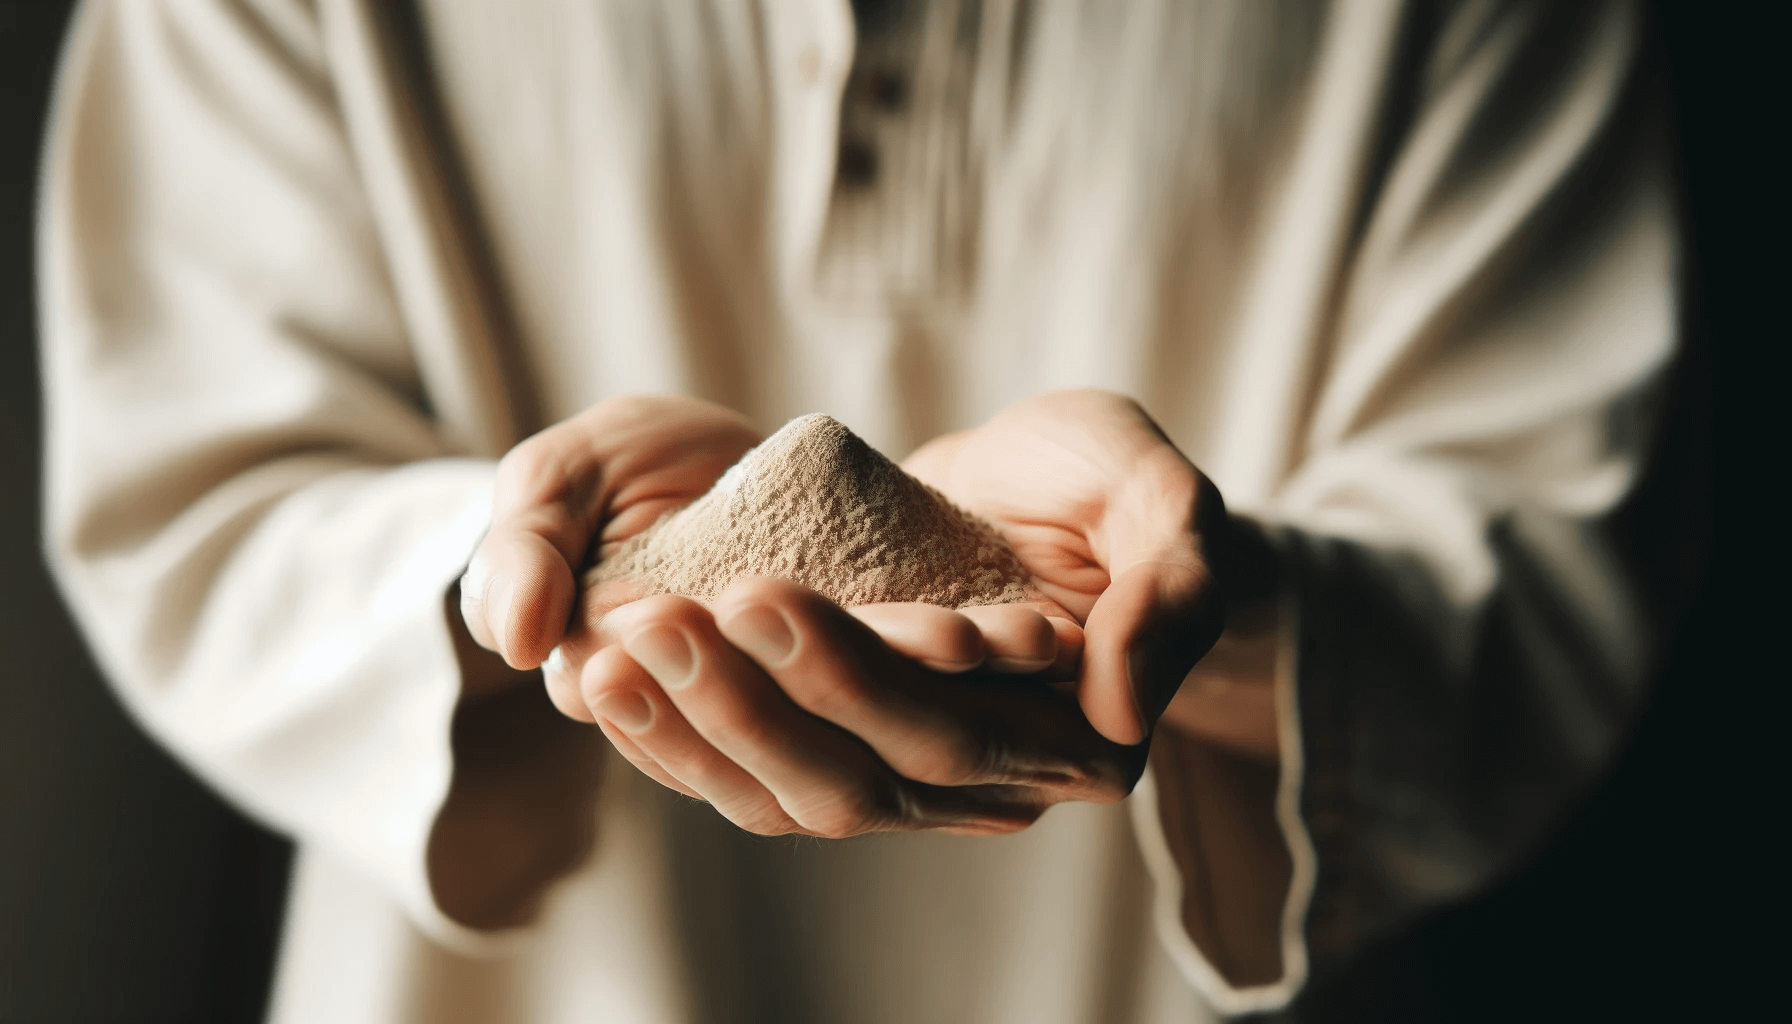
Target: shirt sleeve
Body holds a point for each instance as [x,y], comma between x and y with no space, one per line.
[1463,646]
[250,506]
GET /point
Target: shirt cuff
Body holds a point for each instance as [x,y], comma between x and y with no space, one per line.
[1168,890]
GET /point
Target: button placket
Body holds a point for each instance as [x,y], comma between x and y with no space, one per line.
[814,44]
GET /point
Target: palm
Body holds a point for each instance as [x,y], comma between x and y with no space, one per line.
[793,715]
[565,495]
[662,461]
[658,454]
[1068,478]
[1111,520]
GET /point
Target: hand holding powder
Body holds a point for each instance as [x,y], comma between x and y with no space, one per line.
[817,505]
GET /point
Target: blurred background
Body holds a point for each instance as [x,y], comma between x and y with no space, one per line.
[129,893]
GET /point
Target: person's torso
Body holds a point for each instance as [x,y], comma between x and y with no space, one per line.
[989,201]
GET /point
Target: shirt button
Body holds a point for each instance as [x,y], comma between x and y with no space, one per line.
[857,164]
[888,91]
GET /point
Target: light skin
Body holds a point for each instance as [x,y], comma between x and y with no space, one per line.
[790,714]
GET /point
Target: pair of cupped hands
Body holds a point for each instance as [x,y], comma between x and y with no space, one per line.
[790,714]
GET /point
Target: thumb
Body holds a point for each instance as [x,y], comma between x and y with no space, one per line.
[1147,630]
[517,595]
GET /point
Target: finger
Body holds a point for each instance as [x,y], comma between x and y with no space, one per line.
[647,766]
[1018,638]
[929,728]
[1019,807]
[1161,609]
[1069,663]
[649,730]
[584,637]
[627,458]
[566,662]
[518,590]
[823,778]
[517,594]
[1144,635]
[562,680]
[939,638]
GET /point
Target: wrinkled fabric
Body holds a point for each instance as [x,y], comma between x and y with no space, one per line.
[1396,276]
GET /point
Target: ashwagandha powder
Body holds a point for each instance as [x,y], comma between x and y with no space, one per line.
[815,504]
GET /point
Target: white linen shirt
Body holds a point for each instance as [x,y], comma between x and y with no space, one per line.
[1397,276]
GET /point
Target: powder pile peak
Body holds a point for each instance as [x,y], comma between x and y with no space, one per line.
[815,504]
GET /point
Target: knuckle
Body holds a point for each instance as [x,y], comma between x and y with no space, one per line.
[975,757]
[828,695]
[1106,781]
[959,758]
[735,725]
[525,462]
[671,610]
[848,811]
[762,820]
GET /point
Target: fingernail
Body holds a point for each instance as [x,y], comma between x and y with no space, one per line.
[625,709]
[473,581]
[556,661]
[762,633]
[665,653]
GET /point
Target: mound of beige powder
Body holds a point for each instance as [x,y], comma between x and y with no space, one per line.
[814,503]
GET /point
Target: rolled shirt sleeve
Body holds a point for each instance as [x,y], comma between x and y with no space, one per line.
[250,506]
[1462,644]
